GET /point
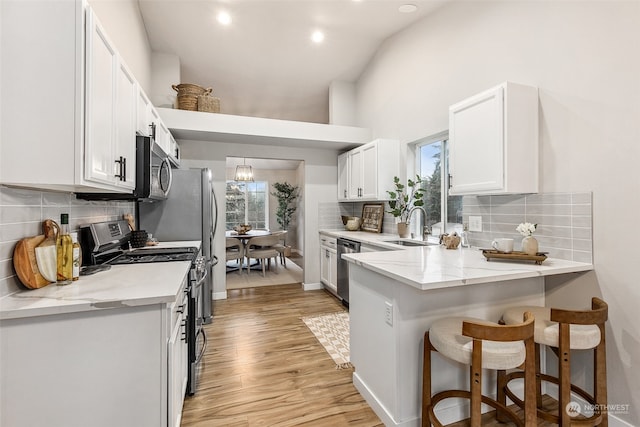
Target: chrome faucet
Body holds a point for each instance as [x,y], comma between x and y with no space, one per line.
[426,230]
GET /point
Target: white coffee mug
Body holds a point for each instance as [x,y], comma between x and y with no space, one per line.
[503,245]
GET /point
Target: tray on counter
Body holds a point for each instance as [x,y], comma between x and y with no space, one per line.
[490,254]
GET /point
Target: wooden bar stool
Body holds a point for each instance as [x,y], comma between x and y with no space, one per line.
[482,345]
[563,331]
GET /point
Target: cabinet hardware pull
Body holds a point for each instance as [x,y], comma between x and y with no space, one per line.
[345,193]
[152,130]
[122,163]
[450,180]
[180,309]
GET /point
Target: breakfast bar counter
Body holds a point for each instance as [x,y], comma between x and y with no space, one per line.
[396,295]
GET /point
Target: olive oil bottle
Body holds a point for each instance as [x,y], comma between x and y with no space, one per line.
[64,249]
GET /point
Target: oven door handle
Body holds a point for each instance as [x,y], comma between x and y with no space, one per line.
[204,345]
[201,280]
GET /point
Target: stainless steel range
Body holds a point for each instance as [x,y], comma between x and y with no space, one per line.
[141,256]
[107,243]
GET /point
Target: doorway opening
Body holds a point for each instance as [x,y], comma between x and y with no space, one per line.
[253,204]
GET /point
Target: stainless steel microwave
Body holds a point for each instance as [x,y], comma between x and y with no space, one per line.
[153,175]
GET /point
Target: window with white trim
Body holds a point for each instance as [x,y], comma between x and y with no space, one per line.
[444,212]
[247,203]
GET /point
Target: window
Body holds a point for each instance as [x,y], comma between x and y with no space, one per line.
[247,203]
[444,212]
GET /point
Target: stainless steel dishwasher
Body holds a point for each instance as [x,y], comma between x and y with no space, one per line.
[345,246]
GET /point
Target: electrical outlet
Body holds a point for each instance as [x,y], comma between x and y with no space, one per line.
[475,223]
[388,313]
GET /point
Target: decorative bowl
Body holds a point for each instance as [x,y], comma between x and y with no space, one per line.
[451,241]
[353,223]
[242,228]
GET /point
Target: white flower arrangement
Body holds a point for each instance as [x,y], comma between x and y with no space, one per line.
[526,228]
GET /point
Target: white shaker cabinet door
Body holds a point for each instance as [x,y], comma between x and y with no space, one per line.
[476,134]
[343,177]
[369,171]
[355,174]
[494,142]
[125,138]
[102,62]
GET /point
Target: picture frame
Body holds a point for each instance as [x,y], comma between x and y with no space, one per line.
[372,216]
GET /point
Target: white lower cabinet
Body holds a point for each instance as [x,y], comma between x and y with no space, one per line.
[177,366]
[329,263]
[106,367]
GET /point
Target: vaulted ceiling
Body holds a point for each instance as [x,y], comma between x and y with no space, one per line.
[264,63]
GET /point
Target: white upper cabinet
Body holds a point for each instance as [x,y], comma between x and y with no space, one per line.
[144,119]
[67,109]
[343,177]
[125,145]
[494,142]
[366,173]
[110,121]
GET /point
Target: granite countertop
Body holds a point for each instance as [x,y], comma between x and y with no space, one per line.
[121,286]
[435,267]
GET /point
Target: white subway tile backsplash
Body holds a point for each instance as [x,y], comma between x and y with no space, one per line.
[19,230]
[580,256]
[582,198]
[19,197]
[22,212]
[549,199]
[564,221]
[56,199]
[13,214]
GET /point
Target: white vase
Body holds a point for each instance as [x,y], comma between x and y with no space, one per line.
[530,245]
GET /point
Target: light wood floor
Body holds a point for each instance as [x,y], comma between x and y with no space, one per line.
[263,367]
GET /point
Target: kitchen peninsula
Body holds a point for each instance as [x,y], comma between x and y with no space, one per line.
[396,295]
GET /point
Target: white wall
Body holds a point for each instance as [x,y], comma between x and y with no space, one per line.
[585,58]
[123,23]
[320,185]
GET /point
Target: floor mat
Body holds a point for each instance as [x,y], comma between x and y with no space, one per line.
[332,331]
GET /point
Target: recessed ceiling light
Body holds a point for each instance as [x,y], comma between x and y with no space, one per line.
[224,18]
[408,8]
[317,36]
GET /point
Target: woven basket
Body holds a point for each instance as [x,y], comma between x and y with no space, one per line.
[188,102]
[189,89]
[208,103]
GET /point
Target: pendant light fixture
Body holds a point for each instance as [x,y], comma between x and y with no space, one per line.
[244,172]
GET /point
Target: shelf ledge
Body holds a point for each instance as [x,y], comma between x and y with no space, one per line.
[201,126]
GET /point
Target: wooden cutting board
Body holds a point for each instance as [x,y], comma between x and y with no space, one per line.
[24,261]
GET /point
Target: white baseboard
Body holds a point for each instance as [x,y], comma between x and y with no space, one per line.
[312,286]
[377,407]
[220,295]
[449,411]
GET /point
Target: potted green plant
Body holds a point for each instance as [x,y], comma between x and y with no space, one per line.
[403,199]
[287,195]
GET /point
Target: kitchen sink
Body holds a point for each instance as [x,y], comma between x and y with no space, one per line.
[409,243]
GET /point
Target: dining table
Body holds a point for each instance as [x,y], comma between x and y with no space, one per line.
[245,238]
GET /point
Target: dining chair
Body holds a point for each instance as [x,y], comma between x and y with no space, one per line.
[262,248]
[281,245]
[235,251]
